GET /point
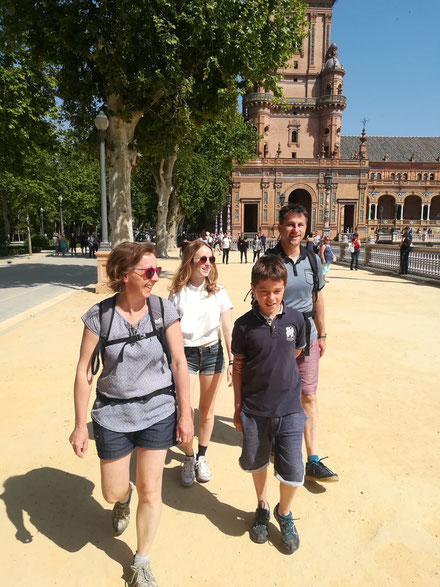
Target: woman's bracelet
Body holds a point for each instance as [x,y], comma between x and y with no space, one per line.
[231,362]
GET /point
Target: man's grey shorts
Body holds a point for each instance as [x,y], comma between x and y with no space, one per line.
[287,432]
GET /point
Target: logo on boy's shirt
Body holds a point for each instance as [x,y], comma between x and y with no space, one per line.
[290,333]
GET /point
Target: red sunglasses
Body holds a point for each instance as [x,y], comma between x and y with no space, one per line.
[204,259]
[150,271]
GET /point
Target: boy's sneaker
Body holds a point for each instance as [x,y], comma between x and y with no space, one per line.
[188,474]
[121,513]
[203,474]
[289,535]
[317,471]
[142,576]
[260,527]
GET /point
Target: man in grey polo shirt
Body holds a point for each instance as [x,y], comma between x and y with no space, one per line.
[300,295]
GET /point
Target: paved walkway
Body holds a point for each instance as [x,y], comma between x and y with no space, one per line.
[379,426]
[27,281]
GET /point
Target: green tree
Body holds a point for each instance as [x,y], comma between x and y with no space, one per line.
[172,65]
[27,109]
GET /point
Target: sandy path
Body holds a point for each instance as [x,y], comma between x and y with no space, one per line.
[379,425]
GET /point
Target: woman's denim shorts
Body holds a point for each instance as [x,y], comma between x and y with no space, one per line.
[206,360]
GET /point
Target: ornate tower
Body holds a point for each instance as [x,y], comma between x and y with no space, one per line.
[312,87]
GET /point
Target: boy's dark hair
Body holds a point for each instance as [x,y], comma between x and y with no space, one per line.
[292,209]
[270,267]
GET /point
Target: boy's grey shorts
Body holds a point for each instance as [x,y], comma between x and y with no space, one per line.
[287,432]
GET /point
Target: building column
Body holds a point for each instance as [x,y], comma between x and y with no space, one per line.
[429,211]
[401,212]
[375,211]
[369,212]
[422,210]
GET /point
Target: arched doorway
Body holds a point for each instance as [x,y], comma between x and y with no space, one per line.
[387,203]
[303,198]
[434,213]
[412,207]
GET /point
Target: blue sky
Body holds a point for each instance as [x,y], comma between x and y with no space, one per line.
[390,50]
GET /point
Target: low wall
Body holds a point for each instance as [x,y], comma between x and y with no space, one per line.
[424,261]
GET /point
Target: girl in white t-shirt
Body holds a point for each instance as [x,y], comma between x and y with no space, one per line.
[204,307]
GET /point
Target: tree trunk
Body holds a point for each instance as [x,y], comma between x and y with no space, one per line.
[6,223]
[123,157]
[175,217]
[163,176]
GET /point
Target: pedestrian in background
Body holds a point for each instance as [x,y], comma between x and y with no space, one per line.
[256,247]
[226,243]
[327,257]
[355,249]
[405,247]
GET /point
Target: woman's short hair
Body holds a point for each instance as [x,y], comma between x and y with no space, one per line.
[183,273]
[270,267]
[123,259]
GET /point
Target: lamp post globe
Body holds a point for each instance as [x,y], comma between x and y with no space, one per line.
[101,123]
[60,199]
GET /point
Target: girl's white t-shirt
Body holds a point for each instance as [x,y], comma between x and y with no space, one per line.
[200,314]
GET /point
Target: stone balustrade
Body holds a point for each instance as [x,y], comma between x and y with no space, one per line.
[423,261]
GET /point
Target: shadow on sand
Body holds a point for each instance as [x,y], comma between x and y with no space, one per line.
[61,507]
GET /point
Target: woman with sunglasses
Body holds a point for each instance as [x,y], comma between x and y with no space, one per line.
[204,307]
[136,401]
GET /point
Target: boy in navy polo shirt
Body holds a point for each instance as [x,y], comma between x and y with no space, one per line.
[267,392]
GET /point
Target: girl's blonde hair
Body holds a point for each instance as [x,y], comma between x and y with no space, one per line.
[183,273]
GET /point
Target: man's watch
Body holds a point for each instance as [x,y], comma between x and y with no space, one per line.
[322,335]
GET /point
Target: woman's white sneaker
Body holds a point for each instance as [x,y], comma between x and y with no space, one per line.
[203,474]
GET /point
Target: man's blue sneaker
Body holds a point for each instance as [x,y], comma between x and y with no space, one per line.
[289,535]
[260,529]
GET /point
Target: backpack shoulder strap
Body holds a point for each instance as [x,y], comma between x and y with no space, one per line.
[314,265]
[157,313]
[106,315]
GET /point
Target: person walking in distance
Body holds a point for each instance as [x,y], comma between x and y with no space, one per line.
[405,247]
[355,249]
[204,308]
[304,293]
[326,255]
[226,243]
[256,247]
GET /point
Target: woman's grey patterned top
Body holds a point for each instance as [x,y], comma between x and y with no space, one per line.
[133,370]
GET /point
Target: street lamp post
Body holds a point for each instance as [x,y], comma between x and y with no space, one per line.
[60,198]
[42,221]
[328,188]
[396,209]
[380,218]
[221,219]
[228,213]
[101,123]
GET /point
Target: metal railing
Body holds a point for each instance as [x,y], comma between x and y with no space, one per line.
[423,261]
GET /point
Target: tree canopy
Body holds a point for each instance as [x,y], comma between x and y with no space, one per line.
[164,66]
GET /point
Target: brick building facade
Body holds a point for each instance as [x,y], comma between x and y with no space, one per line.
[371,181]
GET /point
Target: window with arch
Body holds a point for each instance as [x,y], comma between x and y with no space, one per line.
[399,176]
[405,176]
[393,176]
[340,89]
[379,176]
[431,176]
[419,177]
[373,176]
[294,136]
[425,177]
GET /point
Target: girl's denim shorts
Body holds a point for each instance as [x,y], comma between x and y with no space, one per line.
[206,360]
